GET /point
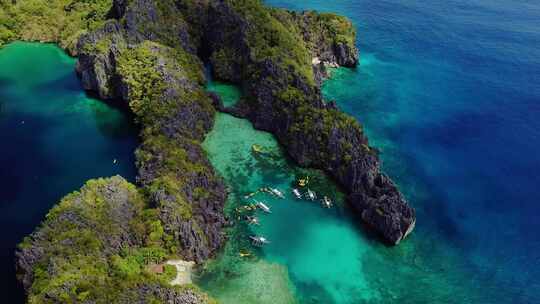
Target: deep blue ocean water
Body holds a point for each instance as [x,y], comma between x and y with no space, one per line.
[450,92]
[52,139]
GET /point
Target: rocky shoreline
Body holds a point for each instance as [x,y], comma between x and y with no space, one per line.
[148,55]
[280,99]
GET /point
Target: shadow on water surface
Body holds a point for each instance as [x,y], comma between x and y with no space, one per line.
[113,121]
[67,83]
[113,118]
[428,197]
[5,82]
[25,156]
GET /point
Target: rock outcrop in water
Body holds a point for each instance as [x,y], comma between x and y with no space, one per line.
[146,55]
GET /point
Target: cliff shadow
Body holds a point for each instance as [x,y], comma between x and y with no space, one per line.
[66,83]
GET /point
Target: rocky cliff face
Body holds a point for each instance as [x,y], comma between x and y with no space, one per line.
[280,58]
[93,247]
[285,100]
[329,38]
[145,293]
[144,59]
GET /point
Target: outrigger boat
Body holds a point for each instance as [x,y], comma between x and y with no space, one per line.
[311,195]
[266,190]
[258,241]
[244,254]
[252,220]
[246,208]
[302,182]
[297,193]
[257,148]
[251,194]
[327,202]
[277,193]
[263,207]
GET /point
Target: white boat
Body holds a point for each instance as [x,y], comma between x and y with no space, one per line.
[263,207]
[327,202]
[297,193]
[277,193]
[311,195]
[258,241]
[252,220]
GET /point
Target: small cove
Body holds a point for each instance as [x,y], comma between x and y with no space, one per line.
[315,254]
[54,138]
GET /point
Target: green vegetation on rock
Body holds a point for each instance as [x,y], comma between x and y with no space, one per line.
[137,67]
[271,40]
[59,21]
[143,69]
[94,247]
[318,29]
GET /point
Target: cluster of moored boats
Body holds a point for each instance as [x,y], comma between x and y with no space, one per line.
[307,194]
[312,196]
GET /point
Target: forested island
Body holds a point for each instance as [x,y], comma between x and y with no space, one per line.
[148,56]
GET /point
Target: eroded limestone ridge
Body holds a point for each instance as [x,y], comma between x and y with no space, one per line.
[94,246]
[148,56]
[279,58]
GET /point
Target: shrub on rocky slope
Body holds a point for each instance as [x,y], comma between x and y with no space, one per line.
[95,247]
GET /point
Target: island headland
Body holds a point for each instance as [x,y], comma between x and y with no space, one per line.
[148,55]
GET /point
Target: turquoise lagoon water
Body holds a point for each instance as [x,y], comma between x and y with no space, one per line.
[53,138]
[314,252]
[229,94]
[447,90]
[316,255]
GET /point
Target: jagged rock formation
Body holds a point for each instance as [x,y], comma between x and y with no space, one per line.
[145,59]
[260,49]
[92,249]
[283,97]
[145,293]
[146,55]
